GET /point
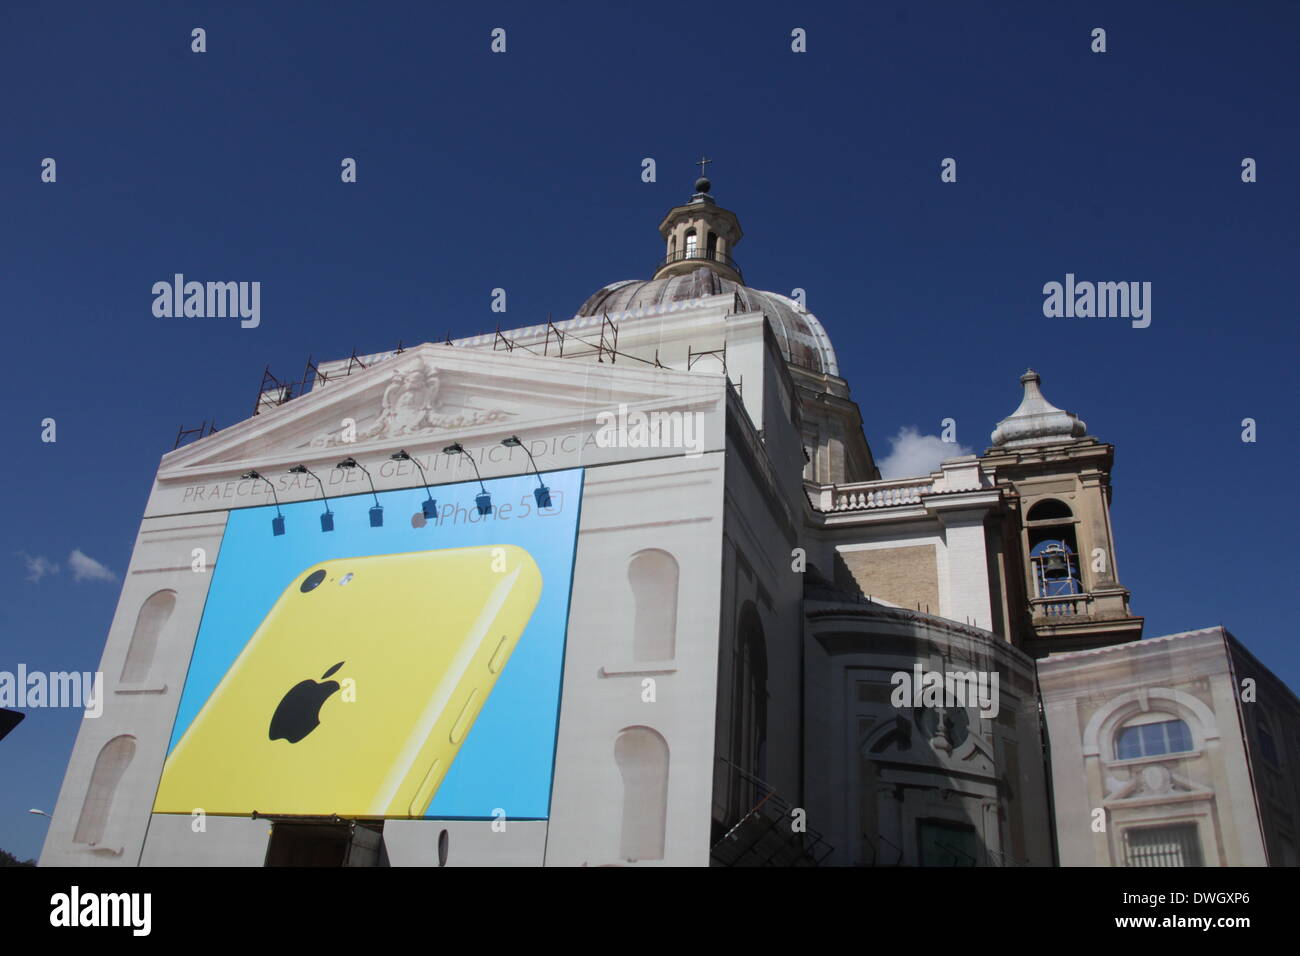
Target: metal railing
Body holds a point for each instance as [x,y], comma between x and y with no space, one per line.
[711,255]
[1176,845]
[765,835]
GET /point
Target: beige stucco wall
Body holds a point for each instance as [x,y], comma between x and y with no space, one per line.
[906,576]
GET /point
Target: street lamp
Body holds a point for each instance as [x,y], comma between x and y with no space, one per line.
[377,512]
[277,523]
[541,492]
[483,499]
[326,519]
[430,507]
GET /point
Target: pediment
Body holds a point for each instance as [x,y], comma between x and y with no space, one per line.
[433,395]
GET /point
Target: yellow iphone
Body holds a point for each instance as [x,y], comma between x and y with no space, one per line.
[355,693]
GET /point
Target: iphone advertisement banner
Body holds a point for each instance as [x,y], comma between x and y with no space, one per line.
[406,663]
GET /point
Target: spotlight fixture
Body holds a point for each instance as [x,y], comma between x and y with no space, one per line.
[326,519]
[541,492]
[277,523]
[483,499]
[430,507]
[377,512]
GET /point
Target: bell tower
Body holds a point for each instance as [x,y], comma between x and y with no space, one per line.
[700,233]
[1056,479]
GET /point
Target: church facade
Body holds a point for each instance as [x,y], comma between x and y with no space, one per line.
[747,647]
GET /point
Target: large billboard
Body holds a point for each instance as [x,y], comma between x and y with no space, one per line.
[396,665]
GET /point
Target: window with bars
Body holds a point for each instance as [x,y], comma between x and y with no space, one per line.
[1173,845]
[1153,739]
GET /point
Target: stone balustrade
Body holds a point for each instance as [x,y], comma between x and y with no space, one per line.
[881,494]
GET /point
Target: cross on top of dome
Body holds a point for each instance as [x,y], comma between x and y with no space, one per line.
[702,185]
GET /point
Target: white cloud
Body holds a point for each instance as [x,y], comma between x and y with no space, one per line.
[86,568]
[38,566]
[914,454]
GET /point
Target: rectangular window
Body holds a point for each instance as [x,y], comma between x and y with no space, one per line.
[1174,845]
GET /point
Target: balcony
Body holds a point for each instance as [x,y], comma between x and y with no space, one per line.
[709,255]
[1060,605]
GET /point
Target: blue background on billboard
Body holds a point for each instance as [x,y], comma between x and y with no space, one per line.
[506,760]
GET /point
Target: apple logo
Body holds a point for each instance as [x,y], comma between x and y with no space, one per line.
[299,711]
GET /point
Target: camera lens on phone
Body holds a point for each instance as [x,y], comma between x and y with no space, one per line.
[312,581]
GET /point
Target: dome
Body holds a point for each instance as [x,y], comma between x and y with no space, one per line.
[802,339]
[1037,421]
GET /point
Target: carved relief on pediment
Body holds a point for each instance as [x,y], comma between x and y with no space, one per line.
[413,403]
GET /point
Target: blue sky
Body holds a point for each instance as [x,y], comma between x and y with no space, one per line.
[522,170]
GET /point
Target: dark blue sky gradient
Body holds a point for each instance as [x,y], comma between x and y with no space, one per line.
[522,171]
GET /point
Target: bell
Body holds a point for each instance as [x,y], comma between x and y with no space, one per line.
[1054,564]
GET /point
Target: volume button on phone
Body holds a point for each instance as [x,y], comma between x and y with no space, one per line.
[466,716]
[499,655]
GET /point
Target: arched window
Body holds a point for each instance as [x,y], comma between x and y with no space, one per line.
[711,245]
[149,623]
[691,242]
[1147,704]
[653,575]
[1049,508]
[1054,552]
[642,758]
[1151,735]
[110,765]
[749,713]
